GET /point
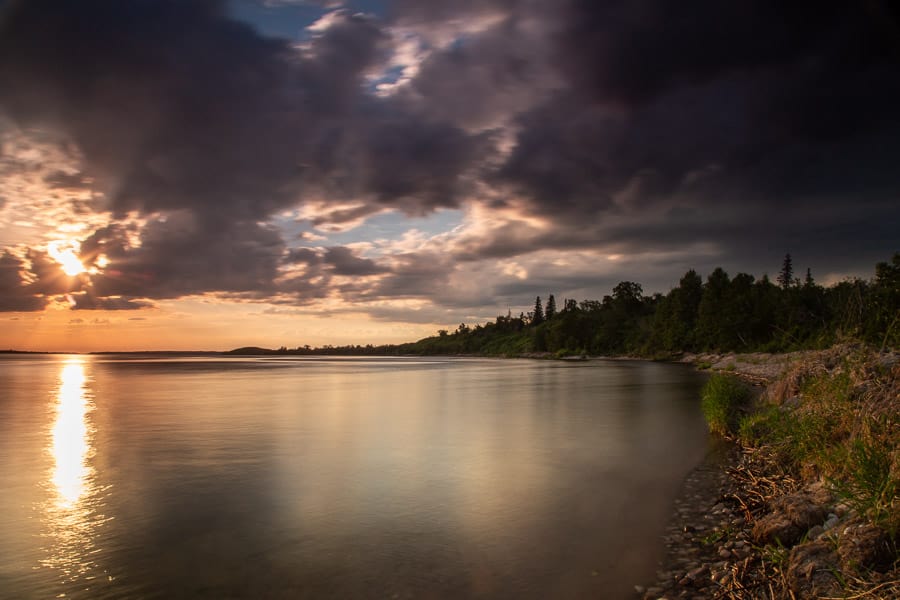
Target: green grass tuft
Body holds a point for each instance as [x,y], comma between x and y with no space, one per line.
[722,398]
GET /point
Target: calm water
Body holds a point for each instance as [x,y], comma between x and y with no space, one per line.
[335,478]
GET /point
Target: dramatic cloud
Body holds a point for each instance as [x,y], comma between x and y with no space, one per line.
[344,262]
[578,141]
[15,295]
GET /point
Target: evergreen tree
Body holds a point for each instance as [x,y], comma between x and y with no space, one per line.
[538,316]
[550,311]
[809,281]
[786,277]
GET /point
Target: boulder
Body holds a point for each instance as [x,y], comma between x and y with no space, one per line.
[791,517]
[810,570]
[866,547]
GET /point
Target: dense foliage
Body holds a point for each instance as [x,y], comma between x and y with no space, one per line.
[740,314]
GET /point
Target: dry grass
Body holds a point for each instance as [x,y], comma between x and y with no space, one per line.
[834,417]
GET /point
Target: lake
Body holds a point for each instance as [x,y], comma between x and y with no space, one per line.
[297,477]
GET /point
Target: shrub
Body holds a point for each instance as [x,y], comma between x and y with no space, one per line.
[722,398]
[869,485]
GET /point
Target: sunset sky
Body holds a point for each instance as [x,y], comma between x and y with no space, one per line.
[201,174]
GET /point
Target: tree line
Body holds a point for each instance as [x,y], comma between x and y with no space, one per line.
[721,314]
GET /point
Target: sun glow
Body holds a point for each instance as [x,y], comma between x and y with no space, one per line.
[66,254]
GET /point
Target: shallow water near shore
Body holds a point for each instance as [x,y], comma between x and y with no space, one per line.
[137,477]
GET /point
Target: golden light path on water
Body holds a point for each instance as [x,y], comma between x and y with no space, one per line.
[70,436]
[72,515]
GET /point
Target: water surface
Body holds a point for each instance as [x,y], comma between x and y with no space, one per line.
[137,477]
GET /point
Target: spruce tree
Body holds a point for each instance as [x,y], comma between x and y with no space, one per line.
[538,316]
[550,311]
[786,277]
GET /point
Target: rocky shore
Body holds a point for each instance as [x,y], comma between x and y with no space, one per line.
[745,526]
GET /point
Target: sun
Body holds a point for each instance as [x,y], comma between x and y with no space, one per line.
[66,254]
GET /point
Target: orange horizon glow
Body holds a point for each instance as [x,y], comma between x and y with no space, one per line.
[194,325]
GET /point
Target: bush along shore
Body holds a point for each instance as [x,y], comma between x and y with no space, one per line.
[802,501]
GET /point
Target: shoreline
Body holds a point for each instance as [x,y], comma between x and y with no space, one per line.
[717,545]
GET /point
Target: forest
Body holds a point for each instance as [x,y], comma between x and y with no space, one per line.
[721,314]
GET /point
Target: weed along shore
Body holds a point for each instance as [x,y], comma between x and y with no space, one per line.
[799,496]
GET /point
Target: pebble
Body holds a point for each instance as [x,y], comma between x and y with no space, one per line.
[697,572]
[724,553]
[815,532]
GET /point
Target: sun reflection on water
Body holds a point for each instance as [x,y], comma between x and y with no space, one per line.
[71,443]
[72,515]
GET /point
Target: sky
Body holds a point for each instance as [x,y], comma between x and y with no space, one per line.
[206,174]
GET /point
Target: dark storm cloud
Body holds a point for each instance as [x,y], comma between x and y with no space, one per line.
[505,68]
[15,294]
[185,254]
[173,104]
[627,127]
[306,256]
[722,110]
[632,51]
[344,262]
[176,107]
[415,163]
